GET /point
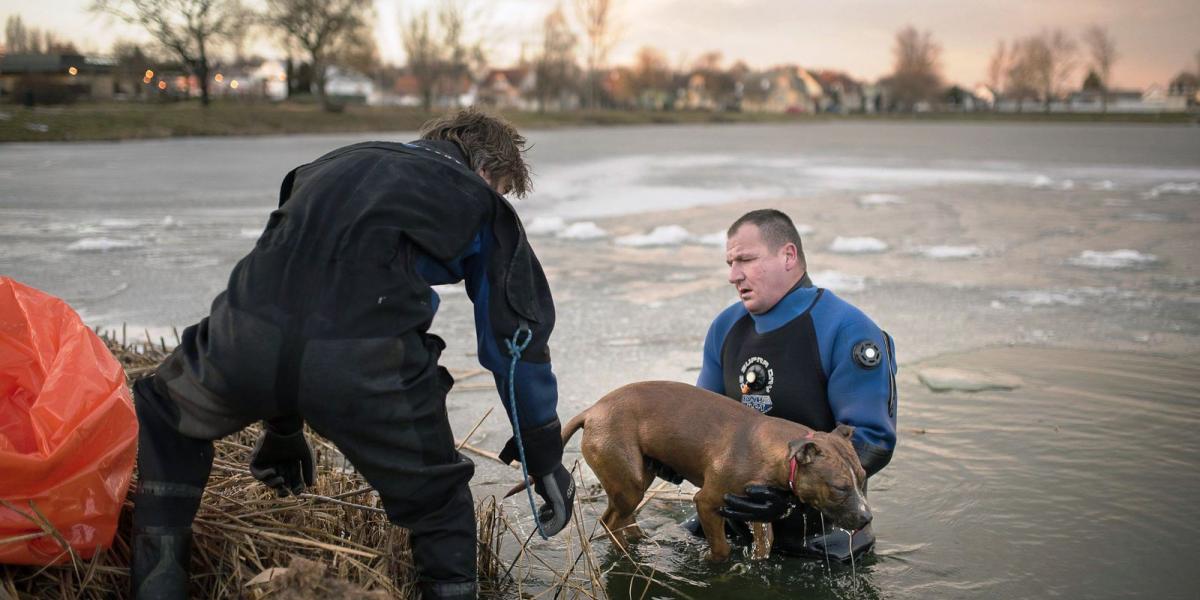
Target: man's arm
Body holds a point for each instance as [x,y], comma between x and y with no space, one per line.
[862,389]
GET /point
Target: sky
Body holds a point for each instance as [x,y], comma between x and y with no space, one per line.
[1156,39]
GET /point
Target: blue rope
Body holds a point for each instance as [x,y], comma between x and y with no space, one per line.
[515,347]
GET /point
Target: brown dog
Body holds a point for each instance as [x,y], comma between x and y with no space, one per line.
[719,445]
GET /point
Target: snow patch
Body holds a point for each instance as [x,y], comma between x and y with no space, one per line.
[249,233]
[950,252]
[583,230]
[545,226]
[1117,259]
[838,281]
[103,244]
[1172,187]
[664,235]
[879,199]
[857,245]
[1044,298]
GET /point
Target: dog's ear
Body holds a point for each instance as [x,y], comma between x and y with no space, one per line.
[844,430]
[804,451]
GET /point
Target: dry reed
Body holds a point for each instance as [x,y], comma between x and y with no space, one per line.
[332,542]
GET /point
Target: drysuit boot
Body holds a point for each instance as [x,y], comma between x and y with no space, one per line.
[158,568]
[172,472]
[443,545]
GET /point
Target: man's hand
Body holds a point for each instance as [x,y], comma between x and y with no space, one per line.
[557,488]
[761,504]
[283,461]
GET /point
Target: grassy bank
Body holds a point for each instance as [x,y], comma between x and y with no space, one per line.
[86,122]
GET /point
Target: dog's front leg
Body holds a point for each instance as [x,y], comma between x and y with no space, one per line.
[764,538]
[714,526]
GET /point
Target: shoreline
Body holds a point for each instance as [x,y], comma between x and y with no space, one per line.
[116,122]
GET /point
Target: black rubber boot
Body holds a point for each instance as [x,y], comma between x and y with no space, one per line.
[444,546]
[158,568]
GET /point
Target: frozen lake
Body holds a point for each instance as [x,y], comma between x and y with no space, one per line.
[1063,254]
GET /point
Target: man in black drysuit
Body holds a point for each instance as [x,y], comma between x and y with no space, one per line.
[326,322]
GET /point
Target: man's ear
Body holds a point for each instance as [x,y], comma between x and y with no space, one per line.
[804,451]
[844,430]
[791,255]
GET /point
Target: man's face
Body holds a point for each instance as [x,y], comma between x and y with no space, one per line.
[501,187]
[761,276]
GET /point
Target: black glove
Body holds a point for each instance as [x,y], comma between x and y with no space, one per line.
[663,471]
[283,461]
[557,488]
[543,449]
[761,504]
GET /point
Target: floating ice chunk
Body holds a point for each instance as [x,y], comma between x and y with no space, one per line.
[879,199]
[803,229]
[545,226]
[583,230]
[249,233]
[838,281]
[1148,217]
[169,221]
[1044,297]
[1066,184]
[103,244]
[1173,188]
[1103,185]
[119,223]
[716,238]
[951,252]
[664,235]
[1042,182]
[1117,259]
[946,379]
[857,245]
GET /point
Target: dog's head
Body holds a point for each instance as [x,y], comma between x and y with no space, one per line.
[830,477]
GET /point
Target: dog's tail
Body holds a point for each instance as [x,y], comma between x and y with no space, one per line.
[575,424]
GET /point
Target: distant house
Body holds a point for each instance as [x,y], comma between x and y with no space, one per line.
[345,85]
[513,88]
[56,78]
[842,94]
[1153,99]
[782,89]
[1186,86]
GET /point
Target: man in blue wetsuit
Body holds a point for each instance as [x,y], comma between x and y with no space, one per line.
[326,321]
[798,352]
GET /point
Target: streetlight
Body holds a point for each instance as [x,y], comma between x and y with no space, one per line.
[219,78]
[73,71]
[233,84]
[149,74]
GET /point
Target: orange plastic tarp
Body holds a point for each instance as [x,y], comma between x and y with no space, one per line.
[68,433]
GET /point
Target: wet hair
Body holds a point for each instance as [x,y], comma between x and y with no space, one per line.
[489,142]
[775,228]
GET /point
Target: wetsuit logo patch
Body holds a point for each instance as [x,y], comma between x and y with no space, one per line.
[756,378]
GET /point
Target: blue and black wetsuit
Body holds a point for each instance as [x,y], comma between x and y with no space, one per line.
[816,360]
[535,384]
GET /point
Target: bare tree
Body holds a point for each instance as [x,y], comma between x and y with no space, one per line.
[998,68]
[316,27]
[439,55]
[1021,75]
[1054,61]
[596,19]
[555,67]
[1103,50]
[916,76]
[189,29]
[16,36]
[652,76]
